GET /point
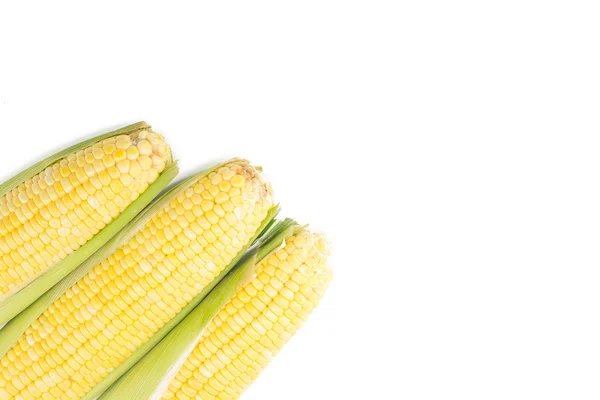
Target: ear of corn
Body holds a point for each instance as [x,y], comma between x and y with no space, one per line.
[110,318]
[58,212]
[150,377]
[241,340]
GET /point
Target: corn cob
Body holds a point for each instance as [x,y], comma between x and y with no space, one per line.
[122,302]
[57,207]
[256,323]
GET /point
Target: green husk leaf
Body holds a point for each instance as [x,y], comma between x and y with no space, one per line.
[276,237]
[150,377]
[13,304]
[11,332]
[116,373]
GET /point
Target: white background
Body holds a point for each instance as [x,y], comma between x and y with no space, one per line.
[450,149]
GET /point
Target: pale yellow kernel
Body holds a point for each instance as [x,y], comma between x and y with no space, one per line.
[145,162]
[135,169]
[108,161]
[64,232]
[109,148]
[237,181]
[126,180]
[145,147]
[152,175]
[145,266]
[132,153]
[207,205]
[98,152]
[124,166]
[113,172]
[123,142]
[119,155]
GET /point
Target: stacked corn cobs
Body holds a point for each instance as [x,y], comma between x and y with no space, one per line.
[109,290]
